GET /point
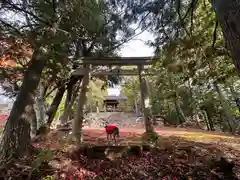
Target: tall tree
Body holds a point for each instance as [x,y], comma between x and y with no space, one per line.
[45,26]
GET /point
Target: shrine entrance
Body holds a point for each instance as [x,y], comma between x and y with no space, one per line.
[111,103]
[104,66]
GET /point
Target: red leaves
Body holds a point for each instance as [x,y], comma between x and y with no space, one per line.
[168,163]
[14,58]
[149,166]
[5,62]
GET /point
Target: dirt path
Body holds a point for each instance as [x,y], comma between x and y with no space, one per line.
[166,131]
[226,142]
[182,152]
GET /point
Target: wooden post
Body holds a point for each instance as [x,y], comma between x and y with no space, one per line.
[105,107]
[77,122]
[145,101]
[136,105]
[97,108]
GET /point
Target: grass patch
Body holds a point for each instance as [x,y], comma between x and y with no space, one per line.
[209,137]
[1,131]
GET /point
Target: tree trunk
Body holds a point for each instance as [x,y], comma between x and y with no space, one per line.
[73,79]
[226,108]
[54,105]
[228,14]
[211,124]
[12,143]
[97,107]
[70,90]
[45,127]
[194,112]
[179,111]
[64,117]
[168,113]
[33,123]
[145,102]
[136,105]
[78,120]
[235,96]
[206,119]
[39,106]
[178,108]
[18,141]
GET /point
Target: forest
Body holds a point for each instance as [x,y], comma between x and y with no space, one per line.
[194,94]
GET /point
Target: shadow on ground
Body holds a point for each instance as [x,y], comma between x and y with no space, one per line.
[176,158]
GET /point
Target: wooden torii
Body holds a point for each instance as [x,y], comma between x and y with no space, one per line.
[140,62]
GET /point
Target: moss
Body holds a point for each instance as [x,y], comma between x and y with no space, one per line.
[1,131]
[43,156]
[151,138]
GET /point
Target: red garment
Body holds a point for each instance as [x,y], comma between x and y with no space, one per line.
[110,129]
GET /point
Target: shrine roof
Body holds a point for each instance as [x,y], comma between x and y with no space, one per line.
[121,97]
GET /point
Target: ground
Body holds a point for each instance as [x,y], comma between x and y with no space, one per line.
[181,154]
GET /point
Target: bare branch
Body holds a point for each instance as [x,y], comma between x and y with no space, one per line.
[24,10]
[11,27]
[125,41]
[215,34]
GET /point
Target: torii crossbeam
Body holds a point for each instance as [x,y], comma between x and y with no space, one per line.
[120,72]
[122,61]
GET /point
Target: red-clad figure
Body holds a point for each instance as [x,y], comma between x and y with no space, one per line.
[112,131]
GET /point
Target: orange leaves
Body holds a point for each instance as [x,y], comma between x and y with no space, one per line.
[6,62]
[16,53]
[14,57]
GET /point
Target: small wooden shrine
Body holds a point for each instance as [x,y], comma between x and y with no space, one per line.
[111,102]
[140,71]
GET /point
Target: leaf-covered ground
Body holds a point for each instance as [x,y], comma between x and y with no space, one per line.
[182,154]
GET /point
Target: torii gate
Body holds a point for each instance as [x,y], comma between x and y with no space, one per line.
[140,62]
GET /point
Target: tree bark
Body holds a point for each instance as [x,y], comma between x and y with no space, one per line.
[64,117]
[39,106]
[33,123]
[54,105]
[206,119]
[178,108]
[194,112]
[228,14]
[226,108]
[45,127]
[136,105]
[145,103]
[70,89]
[78,120]
[210,121]
[16,138]
[235,96]
[12,144]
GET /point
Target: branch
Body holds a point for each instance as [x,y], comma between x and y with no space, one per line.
[215,34]
[50,92]
[192,14]
[15,7]
[190,9]
[180,17]
[54,6]
[11,27]
[125,41]
[139,24]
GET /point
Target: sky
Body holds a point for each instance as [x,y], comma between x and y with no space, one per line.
[135,48]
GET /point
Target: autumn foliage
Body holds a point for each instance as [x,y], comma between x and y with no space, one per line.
[16,53]
[14,58]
